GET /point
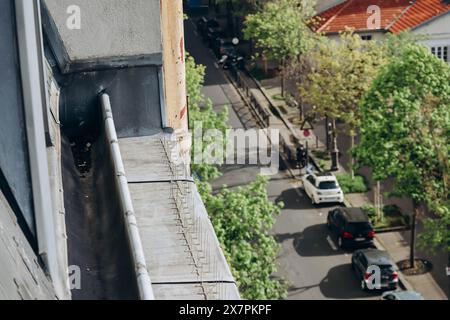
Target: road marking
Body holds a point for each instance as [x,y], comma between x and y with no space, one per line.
[216,65]
[331,243]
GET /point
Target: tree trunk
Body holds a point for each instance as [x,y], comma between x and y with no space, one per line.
[282,78]
[412,253]
[335,150]
[376,198]
[378,201]
[266,67]
[352,161]
[448,263]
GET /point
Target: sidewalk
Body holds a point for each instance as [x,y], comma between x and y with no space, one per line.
[432,285]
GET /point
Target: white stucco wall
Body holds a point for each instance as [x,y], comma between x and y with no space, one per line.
[437,31]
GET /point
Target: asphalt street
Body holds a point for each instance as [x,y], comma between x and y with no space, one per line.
[309,258]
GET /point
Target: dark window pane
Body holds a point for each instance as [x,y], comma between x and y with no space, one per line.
[15,177]
[326,185]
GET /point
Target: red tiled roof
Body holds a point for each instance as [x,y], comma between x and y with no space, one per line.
[396,15]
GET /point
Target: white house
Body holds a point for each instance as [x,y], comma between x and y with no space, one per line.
[373,19]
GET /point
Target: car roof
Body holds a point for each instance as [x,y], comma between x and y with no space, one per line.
[408,295]
[377,257]
[324,176]
[355,215]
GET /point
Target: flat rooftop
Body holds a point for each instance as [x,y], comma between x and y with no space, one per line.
[105,32]
[182,252]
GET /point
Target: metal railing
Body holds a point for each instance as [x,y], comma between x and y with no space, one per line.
[137,252]
[262,112]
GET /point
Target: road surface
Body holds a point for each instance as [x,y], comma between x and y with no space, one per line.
[309,258]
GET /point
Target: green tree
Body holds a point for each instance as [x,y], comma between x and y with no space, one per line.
[342,72]
[280,30]
[201,112]
[243,219]
[405,127]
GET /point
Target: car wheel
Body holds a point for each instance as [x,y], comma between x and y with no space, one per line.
[328,224]
[340,242]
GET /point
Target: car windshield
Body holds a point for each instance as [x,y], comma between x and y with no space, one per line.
[327,185]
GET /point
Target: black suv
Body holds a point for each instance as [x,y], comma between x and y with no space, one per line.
[351,226]
[365,263]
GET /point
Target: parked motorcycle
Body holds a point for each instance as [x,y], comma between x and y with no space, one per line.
[233,62]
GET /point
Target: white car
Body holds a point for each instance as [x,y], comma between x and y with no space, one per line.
[322,188]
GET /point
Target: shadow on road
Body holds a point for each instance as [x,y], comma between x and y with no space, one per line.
[296,198]
[341,283]
[313,242]
[292,199]
[300,290]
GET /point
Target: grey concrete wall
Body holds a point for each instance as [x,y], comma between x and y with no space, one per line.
[109,28]
[21,276]
[135,100]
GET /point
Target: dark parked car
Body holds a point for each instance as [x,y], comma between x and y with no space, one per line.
[351,226]
[223,47]
[364,262]
[203,24]
[212,35]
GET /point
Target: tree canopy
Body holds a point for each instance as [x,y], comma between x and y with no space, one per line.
[405,128]
[280,29]
[201,112]
[342,72]
[243,219]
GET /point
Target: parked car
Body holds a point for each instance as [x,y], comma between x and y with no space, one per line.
[203,24]
[223,47]
[401,295]
[373,258]
[352,227]
[322,188]
[212,35]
